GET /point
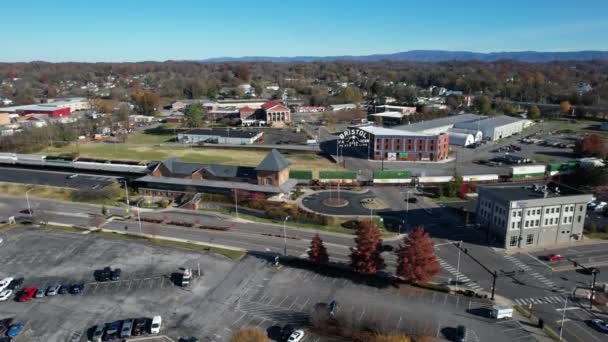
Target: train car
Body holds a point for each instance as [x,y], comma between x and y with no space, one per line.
[562,168]
[31,159]
[481,178]
[83,165]
[434,179]
[392,177]
[526,172]
[8,158]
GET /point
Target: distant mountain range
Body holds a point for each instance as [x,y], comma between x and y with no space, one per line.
[434,56]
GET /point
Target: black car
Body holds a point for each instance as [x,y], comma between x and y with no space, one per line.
[102,275]
[112,330]
[15,284]
[64,289]
[77,289]
[115,275]
[139,326]
[412,200]
[461,334]
[286,331]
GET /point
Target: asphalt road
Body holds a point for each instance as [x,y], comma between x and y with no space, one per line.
[538,284]
[53,178]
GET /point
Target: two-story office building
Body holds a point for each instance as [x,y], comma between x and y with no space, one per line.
[521,216]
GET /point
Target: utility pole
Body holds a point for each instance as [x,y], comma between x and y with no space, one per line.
[458,265]
[494,274]
[561,328]
[126,193]
[285,236]
[593,271]
[236,203]
[27,199]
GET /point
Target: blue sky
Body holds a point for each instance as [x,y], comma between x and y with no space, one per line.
[136,30]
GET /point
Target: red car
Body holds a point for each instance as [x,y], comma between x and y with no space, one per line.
[555,257]
[27,294]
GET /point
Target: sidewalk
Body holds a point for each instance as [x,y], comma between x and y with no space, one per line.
[584,242]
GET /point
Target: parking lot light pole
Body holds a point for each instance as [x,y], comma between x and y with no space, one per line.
[127,194]
[27,199]
[139,219]
[458,263]
[561,328]
[285,236]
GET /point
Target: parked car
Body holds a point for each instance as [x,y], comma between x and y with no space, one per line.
[287,330]
[155,325]
[4,325]
[412,200]
[40,293]
[27,294]
[139,326]
[53,290]
[115,275]
[332,308]
[112,331]
[127,326]
[15,329]
[16,284]
[77,289]
[554,257]
[64,289]
[600,325]
[4,283]
[461,334]
[6,294]
[296,336]
[97,332]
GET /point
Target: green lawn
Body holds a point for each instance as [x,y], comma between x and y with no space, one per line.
[149,138]
[597,235]
[335,227]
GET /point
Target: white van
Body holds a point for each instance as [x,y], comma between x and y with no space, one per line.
[501,311]
[155,326]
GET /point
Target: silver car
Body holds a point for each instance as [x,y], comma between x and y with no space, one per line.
[53,290]
[127,326]
[40,292]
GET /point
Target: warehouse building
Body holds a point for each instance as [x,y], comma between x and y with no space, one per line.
[398,145]
[521,216]
[440,125]
[496,127]
[229,136]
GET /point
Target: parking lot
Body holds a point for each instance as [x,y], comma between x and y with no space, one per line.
[145,289]
[53,178]
[275,136]
[274,297]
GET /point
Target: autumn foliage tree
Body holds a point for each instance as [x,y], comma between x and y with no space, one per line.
[145,101]
[416,260]
[365,256]
[592,145]
[565,107]
[249,334]
[317,252]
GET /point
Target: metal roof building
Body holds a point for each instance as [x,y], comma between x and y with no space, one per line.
[440,125]
[496,127]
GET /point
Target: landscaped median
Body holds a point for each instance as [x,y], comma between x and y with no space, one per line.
[233,253]
[534,320]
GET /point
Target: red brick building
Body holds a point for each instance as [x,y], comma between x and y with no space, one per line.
[394,145]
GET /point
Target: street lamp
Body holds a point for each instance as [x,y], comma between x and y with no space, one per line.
[458,264]
[27,199]
[236,203]
[127,194]
[561,328]
[139,219]
[285,236]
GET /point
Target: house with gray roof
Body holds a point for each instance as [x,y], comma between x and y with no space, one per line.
[173,177]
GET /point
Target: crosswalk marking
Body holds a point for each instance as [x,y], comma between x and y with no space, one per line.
[525,267]
[539,300]
[461,277]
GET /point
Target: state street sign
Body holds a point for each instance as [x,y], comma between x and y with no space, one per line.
[353,138]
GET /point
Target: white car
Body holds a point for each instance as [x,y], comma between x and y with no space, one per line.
[155,326]
[296,336]
[4,283]
[4,295]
